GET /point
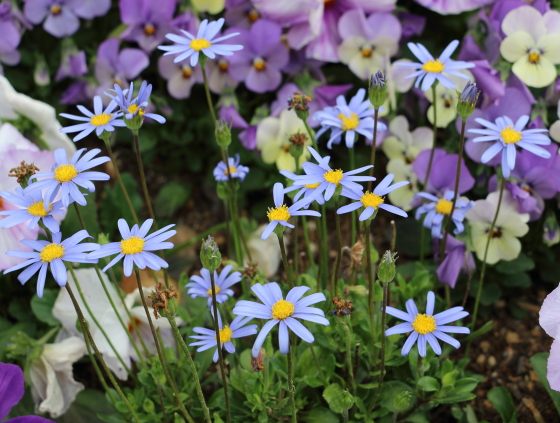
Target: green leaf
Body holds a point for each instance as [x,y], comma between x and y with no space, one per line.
[450,399]
[85,409]
[539,363]
[321,415]
[450,378]
[521,264]
[171,197]
[519,280]
[487,327]
[465,384]
[71,224]
[114,205]
[428,384]
[502,401]
[339,400]
[490,294]
[42,307]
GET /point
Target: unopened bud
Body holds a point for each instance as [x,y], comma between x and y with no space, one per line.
[402,401]
[41,73]
[467,100]
[210,254]
[223,133]
[387,269]
[103,239]
[377,89]
[551,235]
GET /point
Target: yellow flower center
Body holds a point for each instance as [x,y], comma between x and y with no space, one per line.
[349,122]
[534,58]
[187,72]
[225,334]
[424,324]
[38,209]
[282,309]
[223,65]
[65,173]
[149,29]
[278,213]
[312,186]
[99,120]
[433,66]
[259,64]
[510,135]
[371,200]
[366,52]
[230,170]
[51,252]
[200,44]
[253,15]
[216,288]
[444,206]
[55,9]
[133,108]
[333,176]
[132,245]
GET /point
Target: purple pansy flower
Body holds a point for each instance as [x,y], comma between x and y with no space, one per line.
[248,136]
[181,77]
[219,71]
[259,63]
[456,260]
[12,388]
[73,64]
[148,21]
[117,67]
[241,13]
[9,28]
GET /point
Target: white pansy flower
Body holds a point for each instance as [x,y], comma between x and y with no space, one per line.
[446,100]
[52,380]
[264,252]
[532,44]
[402,172]
[406,145]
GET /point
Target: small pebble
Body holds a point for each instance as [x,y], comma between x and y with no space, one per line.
[481,359]
[492,361]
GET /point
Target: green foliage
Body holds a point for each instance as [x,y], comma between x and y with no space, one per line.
[539,362]
[171,197]
[339,400]
[501,399]
[42,307]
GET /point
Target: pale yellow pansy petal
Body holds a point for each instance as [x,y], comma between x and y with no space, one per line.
[516,46]
[402,171]
[508,247]
[349,48]
[512,223]
[555,131]
[211,6]
[478,237]
[363,67]
[267,131]
[524,18]
[536,75]
[285,161]
[270,151]
[422,138]
[550,46]
[385,46]
[290,124]
[400,128]
[446,112]
[393,148]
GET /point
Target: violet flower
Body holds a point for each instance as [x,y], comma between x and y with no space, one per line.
[455,261]
[248,136]
[12,388]
[241,13]
[181,77]
[219,71]
[117,67]
[259,63]
[73,64]
[148,21]
[9,29]
[533,180]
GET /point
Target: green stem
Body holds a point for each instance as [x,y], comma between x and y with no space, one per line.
[285,260]
[373,147]
[132,375]
[349,355]
[353,214]
[120,181]
[308,246]
[87,333]
[291,387]
[208,97]
[370,285]
[324,379]
[195,239]
[219,345]
[185,348]
[325,245]
[339,249]
[160,352]
[483,270]
[97,369]
[296,248]
[456,189]
[420,370]
[311,134]
[321,269]
[383,340]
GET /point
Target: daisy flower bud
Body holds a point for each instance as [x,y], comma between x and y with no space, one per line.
[467,100]
[210,254]
[377,89]
[387,270]
[223,133]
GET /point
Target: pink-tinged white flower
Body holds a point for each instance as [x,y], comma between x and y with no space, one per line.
[549,319]
[532,44]
[510,225]
[367,43]
[453,7]
[181,77]
[430,70]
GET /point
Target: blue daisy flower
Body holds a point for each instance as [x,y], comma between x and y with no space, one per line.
[136,246]
[372,201]
[234,169]
[132,107]
[281,213]
[438,208]
[53,254]
[431,70]
[427,327]
[101,120]
[284,312]
[507,136]
[33,210]
[237,329]
[200,286]
[349,119]
[66,177]
[328,179]
[204,42]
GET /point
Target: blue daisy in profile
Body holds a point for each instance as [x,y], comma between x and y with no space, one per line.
[132,107]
